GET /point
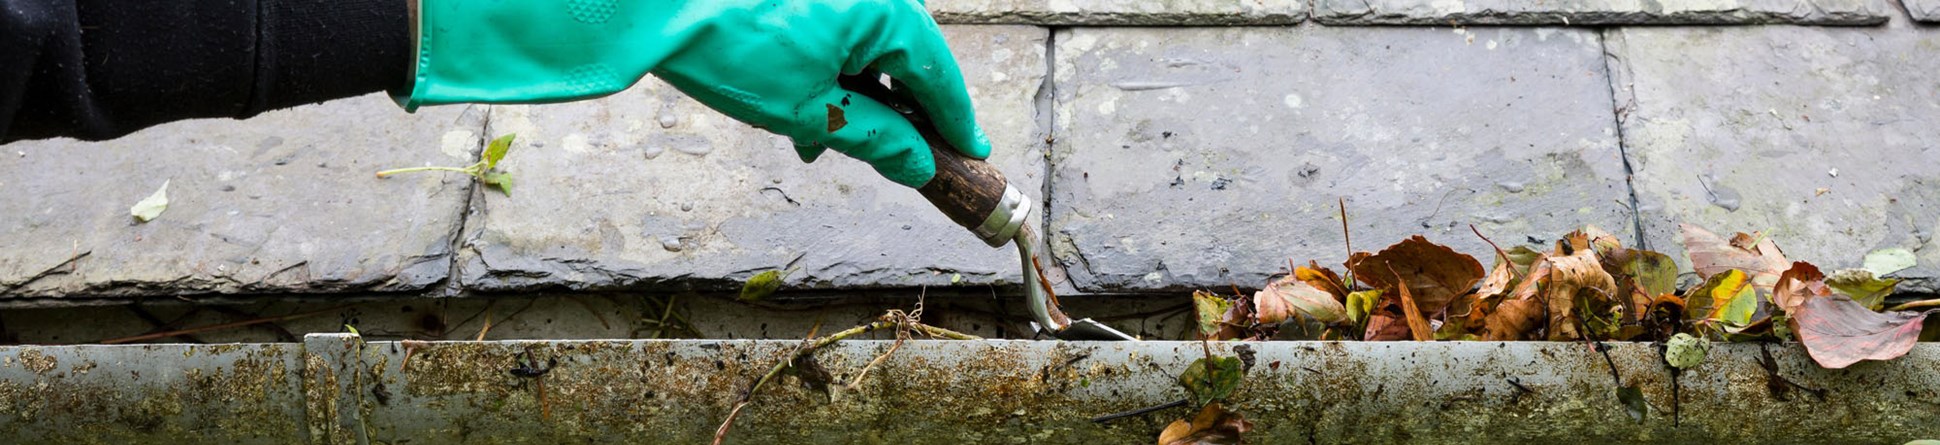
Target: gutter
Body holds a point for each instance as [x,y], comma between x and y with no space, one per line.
[337,389]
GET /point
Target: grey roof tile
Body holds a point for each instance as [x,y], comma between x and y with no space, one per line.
[1121,12]
[284,202]
[1600,12]
[1823,136]
[650,189]
[1208,157]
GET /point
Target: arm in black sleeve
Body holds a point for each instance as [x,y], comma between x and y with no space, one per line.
[99,69]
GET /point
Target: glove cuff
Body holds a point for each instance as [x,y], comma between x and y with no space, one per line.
[533,51]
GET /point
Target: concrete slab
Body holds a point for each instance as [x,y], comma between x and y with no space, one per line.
[1601,12]
[649,189]
[1196,158]
[1824,137]
[1121,12]
[282,203]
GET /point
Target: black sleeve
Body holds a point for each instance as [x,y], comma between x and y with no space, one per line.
[99,69]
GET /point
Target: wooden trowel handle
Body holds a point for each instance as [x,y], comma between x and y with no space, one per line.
[971,192]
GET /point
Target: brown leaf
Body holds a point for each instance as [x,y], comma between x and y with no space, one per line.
[1664,315]
[1435,273]
[1214,425]
[1512,320]
[1522,312]
[1387,327]
[1417,324]
[1579,273]
[1498,280]
[1711,255]
[1287,296]
[1802,282]
[1838,332]
[1601,240]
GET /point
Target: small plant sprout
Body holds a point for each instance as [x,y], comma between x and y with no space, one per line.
[484,170]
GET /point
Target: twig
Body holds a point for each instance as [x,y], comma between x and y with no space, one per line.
[488,324]
[891,320]
[1346,240]
[857,381]
[1499,253]
[157,324]
[410,347]
[281,332]
[1141,411]
[218,327]
[1520,390]
[936,332]
[1915,305]
[810,346]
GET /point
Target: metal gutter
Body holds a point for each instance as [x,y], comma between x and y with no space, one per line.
[336,389]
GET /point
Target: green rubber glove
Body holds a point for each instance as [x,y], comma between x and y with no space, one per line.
[770,63]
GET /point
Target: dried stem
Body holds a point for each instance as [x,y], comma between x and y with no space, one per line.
[894,319]
[218,327]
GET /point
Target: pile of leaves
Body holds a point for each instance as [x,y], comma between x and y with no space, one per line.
[1590,287]
[1587,287]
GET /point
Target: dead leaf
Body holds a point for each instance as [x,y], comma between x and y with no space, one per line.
[1498,280]
[1838,332]
[1684,351]
[1290,295]
[1600,240]
[1579,273]
[1213,425]
[1864,287]
[1712,255]
[1211,311]
[1802,282]
[1387,327]
[1322,278]
[1664,316]
[1435,273]
[1417,324]
[152,206]
[1522,312]
[1512,320]
[1641,275]
[1733,301]
[1360,305]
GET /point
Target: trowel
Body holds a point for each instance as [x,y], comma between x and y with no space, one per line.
[976,196]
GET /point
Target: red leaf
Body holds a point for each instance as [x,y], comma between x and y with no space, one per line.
[1838,332]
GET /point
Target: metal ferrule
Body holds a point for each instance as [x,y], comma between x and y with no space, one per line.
[1003,222]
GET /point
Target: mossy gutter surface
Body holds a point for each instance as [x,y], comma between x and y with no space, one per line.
[336,389]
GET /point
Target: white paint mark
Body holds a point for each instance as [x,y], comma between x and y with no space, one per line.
[575,143]
[1293,101]
[458,144]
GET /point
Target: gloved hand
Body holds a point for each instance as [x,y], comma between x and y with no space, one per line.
[770,63]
